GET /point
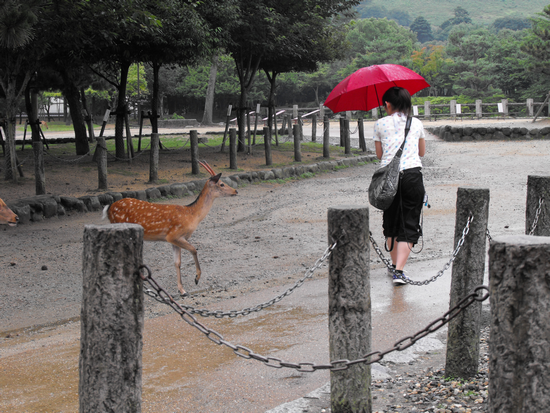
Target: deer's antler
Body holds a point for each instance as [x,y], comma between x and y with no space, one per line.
[207,167]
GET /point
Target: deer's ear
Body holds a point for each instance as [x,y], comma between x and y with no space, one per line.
[216,178]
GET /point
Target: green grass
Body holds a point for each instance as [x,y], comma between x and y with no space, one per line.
[485,12]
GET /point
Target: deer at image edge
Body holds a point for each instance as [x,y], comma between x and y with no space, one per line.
[6,215]
[171,223]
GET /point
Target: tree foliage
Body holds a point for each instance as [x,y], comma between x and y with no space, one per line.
[378,41]
[423,29]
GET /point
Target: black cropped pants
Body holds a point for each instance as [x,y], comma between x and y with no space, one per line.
[402,219]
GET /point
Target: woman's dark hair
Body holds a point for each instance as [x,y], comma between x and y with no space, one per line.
[399,98]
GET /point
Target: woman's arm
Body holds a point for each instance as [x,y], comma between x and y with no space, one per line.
[421,147]
[378,147]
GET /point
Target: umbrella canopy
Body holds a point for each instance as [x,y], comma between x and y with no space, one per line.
[363,89]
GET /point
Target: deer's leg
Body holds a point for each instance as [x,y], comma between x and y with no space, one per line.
[183,243]
[177,264]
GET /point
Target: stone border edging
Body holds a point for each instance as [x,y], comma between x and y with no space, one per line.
[40,207]
[472,133]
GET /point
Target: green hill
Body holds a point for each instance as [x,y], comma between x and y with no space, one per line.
[481,11]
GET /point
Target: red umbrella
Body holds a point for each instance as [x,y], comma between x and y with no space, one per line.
[363,89]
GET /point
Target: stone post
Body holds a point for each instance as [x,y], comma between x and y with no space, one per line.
[504,103]
[427,110]
[530,107]
[452,109]
[463,334]
[519,347]
[479,109]
[111,319]
[349,307]
[374,113]
[538,188]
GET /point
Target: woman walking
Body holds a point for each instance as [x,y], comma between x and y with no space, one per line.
[401,221]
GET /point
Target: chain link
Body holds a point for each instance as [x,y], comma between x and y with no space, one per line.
[537,214]
[259,307]
[440,273]
[307,367]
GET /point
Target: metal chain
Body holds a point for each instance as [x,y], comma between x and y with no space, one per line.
[535,221]
[537,214]
[440,273]
[65,160]
[259,307]
[307,367]
[354,132]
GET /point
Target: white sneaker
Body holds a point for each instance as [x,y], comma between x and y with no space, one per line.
[399,278]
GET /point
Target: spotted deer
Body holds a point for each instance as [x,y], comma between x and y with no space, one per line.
[7,216]
[171,223]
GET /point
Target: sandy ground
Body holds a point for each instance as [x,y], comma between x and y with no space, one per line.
[260,240]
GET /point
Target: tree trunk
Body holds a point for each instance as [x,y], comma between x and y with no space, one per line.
[121,111]
[271,102]
[72,94]
[32,114]
[88,117]
[209,103]
[246,75]
[241,119]
[155,98]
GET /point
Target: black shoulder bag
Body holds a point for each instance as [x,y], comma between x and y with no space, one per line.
[383,187]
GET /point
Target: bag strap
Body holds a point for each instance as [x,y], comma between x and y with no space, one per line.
[407,128]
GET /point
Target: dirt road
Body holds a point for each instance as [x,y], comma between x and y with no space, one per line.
[255,243]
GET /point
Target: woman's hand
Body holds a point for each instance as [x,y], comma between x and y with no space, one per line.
[421,147]
[378,147]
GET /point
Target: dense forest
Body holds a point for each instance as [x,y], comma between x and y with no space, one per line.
[192,59]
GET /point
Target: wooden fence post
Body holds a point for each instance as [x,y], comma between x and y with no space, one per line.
[233,148]
[194,140]
[349,305]
[101,154]
[347,139]
[110,365]
[297,146]
[314,128]
[154,158]
[538,190]
[267,146]
[326,137]
[519,344]
[227,120]
[464,330]
[361,129]
[39,171]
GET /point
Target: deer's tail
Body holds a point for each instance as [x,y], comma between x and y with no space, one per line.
[105,210]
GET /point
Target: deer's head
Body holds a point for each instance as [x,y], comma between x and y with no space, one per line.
[6,215]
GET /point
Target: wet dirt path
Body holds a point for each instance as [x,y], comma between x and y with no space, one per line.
[251,248]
